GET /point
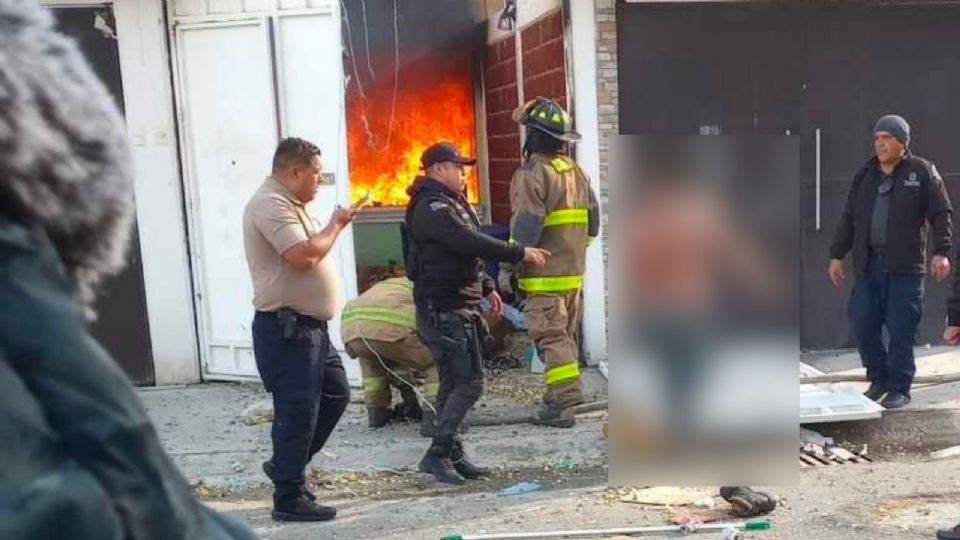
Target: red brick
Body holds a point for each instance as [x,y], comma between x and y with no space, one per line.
[558,82]
[553,54]
[500,78]
[502,147]
[555,24]
[510,70]
[510,97]
[530,36]
[501,214]
[508,48]
[502,170]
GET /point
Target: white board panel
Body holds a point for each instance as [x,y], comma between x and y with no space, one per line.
[231,132]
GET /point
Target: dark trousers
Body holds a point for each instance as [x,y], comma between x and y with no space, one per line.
[454,338]
[303,372]
[895,301]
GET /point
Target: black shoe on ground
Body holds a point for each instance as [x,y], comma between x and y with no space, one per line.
[463,466]
[437,462]
[876,391]
[747,502]
[949,534]
[895,400]
[268,469]
[302,509]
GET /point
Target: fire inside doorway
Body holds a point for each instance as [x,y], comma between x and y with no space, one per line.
[411,82]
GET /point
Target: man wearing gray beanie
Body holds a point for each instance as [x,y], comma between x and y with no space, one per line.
[896,201]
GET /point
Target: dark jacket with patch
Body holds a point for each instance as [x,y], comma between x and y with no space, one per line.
[446,250]
[918,203]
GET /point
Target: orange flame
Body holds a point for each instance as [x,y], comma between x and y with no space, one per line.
[443,111]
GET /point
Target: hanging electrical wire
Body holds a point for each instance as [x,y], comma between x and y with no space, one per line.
[366,38]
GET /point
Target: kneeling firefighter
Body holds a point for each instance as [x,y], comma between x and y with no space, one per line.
[379,327]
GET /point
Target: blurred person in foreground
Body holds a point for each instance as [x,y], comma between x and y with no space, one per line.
[895,200]
[686,252]
[80,456]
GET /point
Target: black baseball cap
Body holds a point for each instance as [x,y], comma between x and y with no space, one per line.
[442,152]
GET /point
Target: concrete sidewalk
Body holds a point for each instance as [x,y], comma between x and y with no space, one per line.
[201,428]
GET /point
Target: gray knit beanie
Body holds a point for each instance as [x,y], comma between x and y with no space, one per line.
[896,126]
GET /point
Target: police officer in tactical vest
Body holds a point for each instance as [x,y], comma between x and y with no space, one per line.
[554,208]
[445,253]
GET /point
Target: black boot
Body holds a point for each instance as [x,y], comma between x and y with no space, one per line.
[895,400]
[411,404]
[876,391]
[268,469]
[437,462]
[428,424]
[552,415]
[378,416]
[463,466]
[301,509]
[747,502]
[949,534]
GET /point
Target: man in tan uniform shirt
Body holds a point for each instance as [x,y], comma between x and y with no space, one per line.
[295,294]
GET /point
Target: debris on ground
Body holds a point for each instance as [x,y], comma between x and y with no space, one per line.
[521,388]
[668,496]
[817,450]
[946,453]
[260,412]
[522,488]
[696,517]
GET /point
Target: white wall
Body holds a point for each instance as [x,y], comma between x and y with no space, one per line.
[148,103]
[584,63]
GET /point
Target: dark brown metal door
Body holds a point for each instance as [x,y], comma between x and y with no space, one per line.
[122,326]
[765,68]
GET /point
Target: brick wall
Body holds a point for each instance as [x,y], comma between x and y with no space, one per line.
[607,93]
[503,134]
[543,67]
[543,63]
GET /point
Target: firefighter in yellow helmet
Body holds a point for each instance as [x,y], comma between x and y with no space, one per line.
[382,322]
[555,209]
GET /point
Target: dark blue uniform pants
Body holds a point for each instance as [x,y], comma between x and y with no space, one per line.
[303,372]
[454,339]
[893,300]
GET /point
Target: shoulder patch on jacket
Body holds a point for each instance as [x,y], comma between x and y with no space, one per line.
[934,173]
[437,205]
[561,164]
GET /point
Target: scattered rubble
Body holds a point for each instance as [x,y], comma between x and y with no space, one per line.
[817,450]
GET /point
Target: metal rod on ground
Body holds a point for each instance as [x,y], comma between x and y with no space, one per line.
[643,531]
[526,419]
[837,378]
